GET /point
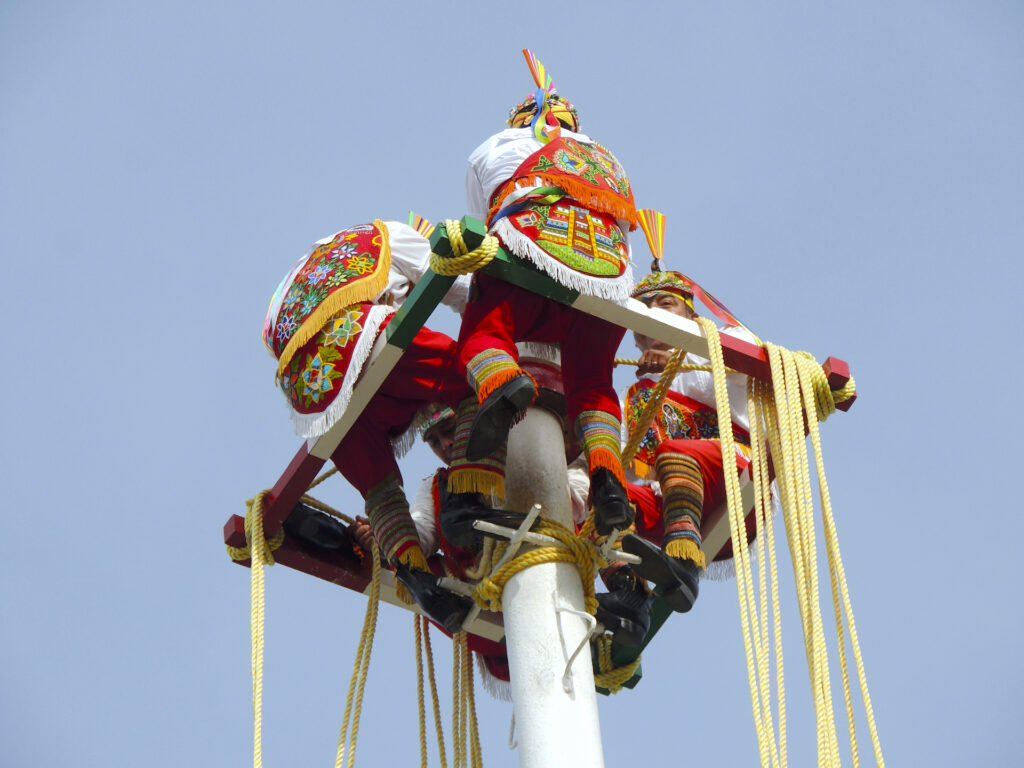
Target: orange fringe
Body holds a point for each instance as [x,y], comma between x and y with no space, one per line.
[602,458]
[601,200]
[500,378]
[364,289]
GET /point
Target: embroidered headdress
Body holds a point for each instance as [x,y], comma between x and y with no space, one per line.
[663,281]
[544,110]
[559,110]
[433,416]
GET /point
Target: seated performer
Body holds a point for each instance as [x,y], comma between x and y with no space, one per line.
[321,326]
[560,201]
[681,449]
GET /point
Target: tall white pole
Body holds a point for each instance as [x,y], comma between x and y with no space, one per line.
[556,719]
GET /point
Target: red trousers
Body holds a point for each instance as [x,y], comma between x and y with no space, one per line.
[426,373]
[500,314]
[708,455]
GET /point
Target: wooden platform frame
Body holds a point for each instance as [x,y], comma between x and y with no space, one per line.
[633,315]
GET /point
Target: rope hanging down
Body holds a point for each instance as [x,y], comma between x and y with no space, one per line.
[798,387]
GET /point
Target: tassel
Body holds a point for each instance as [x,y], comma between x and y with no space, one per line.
[475,480]
[412,556]
[602,458]
[684,548]
[402,593]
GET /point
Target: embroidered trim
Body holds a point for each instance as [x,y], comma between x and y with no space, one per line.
[335,275]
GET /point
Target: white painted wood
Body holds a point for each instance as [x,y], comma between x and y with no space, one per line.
[486,624]
[556,727]
[659,324]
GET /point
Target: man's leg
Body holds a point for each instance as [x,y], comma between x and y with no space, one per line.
[588,352]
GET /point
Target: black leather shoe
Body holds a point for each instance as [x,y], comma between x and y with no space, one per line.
[446,608]
[676,580]
[610,502]
[625,610]
[319,529]
[459,511]
[497,414]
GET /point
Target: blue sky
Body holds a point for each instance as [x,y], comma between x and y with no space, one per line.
[847,180]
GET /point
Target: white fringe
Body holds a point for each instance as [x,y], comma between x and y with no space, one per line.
[317,424]
[725,570]
[539,350]
[498,688]
[402,444]
[614,289]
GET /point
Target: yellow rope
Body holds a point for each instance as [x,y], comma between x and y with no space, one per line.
[463,261]
[423,648]
[357,684]
[798,387]
[611,677]
[643,423]
[260,556]
[575,550]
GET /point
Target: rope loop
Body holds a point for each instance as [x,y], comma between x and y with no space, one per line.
[254,513]
[574,550]
[463,261]
[609,676]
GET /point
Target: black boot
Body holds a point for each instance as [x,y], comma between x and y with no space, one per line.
[459,511]
[446,608]
[677,580]
[625,610]
[319,529]
[610,502]
[497,414]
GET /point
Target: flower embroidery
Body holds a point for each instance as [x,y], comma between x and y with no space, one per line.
[318,376]
[318,274]
[341,250]
[361,264]
[291,298]
[343,329]
[286,326]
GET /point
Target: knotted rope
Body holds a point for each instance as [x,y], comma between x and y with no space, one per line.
[574,550]
[463,261]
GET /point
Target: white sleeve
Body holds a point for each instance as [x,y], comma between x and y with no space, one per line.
[700,385]
[421,507]
[410,260]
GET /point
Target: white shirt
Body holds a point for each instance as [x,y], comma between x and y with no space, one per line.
[700,385]
[495,161]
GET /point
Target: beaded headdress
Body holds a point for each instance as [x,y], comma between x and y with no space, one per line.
[433,416]
[665,281]
[544,111]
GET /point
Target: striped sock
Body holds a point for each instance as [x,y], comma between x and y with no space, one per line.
[682,490]
[599,433]
[486,475]
[489,370]
[392,525]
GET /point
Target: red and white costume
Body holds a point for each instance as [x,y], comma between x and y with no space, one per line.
[687,424]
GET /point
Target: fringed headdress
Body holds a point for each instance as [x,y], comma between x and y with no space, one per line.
[661,280]
[420,224]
